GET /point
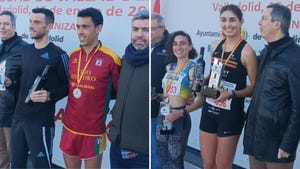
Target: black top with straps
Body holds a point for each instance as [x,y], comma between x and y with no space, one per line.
[233,72]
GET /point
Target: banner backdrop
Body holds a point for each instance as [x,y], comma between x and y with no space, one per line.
[201,20]
[115,34]
[116,26]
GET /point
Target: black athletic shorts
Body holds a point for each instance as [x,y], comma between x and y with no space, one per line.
[224,124]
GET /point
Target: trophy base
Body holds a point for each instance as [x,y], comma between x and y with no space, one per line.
[167,132]
[210,92]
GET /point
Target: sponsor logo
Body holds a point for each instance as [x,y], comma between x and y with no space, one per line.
[99,61]
[45,55]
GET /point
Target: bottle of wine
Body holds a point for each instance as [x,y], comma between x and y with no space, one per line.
[199,72]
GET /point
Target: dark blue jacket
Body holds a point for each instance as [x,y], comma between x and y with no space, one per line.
[10,53]
[158,69]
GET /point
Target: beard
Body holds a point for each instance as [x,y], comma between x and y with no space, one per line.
[140,45]
[38,36]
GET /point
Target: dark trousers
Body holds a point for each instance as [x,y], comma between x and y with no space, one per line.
[155,158]
[31,138]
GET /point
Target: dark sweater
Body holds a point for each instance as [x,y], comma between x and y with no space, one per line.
[56,82]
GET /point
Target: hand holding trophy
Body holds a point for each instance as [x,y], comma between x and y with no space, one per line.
[165,110]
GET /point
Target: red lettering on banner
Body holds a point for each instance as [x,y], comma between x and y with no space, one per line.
[134,9]
[244,6]
[16,9]
[71,11]
[43,0]
[112,11]
[56,10]
[64,26]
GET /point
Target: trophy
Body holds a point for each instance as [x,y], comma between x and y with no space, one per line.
[167,126]
[214,80]
[198,76]
[37,83]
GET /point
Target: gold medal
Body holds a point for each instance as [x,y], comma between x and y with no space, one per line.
[174,77]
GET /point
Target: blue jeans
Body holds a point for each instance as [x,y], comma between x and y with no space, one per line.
[116,161]
[155,158]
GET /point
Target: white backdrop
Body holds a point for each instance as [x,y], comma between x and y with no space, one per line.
[116,27]
[200,18]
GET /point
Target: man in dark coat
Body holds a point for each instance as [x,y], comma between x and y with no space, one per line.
[10,58]
[272,129]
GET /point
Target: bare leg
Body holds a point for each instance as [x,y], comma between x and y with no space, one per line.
[72,162]
[208,148]
[94,163]
[226,151]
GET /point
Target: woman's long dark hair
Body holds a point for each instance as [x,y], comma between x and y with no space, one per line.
[169,46]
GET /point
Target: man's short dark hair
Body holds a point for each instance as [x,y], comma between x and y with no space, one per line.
[94,13]
[11,15]
[48,14]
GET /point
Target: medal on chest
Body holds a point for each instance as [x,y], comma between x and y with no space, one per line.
[77,93]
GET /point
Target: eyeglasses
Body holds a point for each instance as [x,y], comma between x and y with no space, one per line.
[155,27]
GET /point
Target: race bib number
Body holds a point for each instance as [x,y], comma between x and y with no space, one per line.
[227,103]
[172,82]
[176,84]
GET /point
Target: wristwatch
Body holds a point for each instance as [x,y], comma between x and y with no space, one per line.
[233,94]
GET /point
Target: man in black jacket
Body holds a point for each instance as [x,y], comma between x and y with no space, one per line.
[272,129]
[10,58]
[159,36]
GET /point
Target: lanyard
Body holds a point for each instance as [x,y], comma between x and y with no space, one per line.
[231,53]
[79,76]
[171,79]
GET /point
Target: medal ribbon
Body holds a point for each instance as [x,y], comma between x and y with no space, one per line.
[79,76]
[231,53]
[171,79]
